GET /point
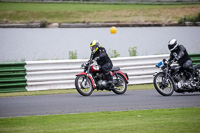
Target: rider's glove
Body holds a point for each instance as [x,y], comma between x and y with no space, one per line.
[177,57]
[97,58]
[169,62]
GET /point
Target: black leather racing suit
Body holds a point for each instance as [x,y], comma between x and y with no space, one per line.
[104,61]
[183,58]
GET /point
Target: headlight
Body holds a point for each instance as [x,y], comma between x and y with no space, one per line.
[96,67]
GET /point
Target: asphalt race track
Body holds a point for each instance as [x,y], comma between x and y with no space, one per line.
[101,101]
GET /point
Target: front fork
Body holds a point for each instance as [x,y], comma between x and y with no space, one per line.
[164,81]
[88,70]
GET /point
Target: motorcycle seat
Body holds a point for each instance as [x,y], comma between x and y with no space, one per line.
[115,69]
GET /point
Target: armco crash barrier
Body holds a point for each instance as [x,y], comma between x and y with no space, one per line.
[60,74]
[43,75]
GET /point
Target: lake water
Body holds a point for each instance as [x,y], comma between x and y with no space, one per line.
[19,44]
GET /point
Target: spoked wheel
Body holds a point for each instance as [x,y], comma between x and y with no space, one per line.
[83,87]
[163,87]
[120,84]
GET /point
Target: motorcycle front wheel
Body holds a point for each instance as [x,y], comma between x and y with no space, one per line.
[163,88]
[82,86]
[121,85]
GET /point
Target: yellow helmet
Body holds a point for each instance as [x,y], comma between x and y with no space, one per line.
[94,46]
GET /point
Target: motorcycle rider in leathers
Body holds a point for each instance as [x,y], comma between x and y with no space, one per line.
[180,54]
[102,59]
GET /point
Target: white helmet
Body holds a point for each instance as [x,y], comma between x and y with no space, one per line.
[173,44]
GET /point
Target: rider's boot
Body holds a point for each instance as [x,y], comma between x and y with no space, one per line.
[196,79]
[197,76]
[192,77]
[110,81]
[192,81]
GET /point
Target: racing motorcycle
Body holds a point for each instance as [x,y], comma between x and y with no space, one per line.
[93,78]
[174,78]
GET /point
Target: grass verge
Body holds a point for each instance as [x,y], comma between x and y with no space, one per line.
[194,19]
[82,13]
[183,120]
[67,91]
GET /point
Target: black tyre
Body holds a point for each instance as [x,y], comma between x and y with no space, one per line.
[83,87]
[120,85]
[166,89]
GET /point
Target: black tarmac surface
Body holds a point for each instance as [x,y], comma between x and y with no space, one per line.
[98,101]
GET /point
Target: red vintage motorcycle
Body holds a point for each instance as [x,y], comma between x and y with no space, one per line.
[93,78]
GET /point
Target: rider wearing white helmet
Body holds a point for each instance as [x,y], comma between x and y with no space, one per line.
[180,54]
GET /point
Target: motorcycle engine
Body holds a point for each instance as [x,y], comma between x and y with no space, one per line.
[177,78]
[185,85]
[102,83]
[100,76]
[182,82]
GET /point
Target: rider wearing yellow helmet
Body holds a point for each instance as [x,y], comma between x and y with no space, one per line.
[102,58]
[94,46]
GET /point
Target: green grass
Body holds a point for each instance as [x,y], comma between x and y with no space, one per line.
[184,120]
[67,91]
[76,6]
[76,12]
[194,19]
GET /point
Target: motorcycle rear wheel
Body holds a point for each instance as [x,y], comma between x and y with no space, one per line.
[161,89]
[85,89]
[122,87]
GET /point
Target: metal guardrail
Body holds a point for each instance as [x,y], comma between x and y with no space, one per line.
[60,74]
[42,75]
